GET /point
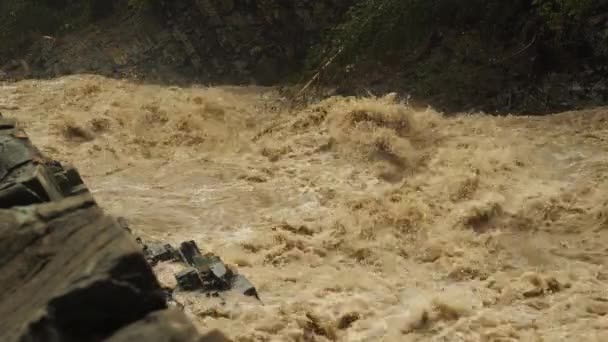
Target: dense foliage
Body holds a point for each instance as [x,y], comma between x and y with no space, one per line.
[380,28]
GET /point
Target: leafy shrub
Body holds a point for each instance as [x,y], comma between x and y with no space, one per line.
[377,28]
[561,15]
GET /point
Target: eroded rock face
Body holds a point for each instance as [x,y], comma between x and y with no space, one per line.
[71,274]
[244,39]
[68,271]
[227,41]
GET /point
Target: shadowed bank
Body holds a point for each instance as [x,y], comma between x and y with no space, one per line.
[530,57]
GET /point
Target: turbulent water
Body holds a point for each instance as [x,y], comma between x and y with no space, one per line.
[357,219]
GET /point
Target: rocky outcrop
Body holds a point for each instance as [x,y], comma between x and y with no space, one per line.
[69,272]
[240,39]
[221,41]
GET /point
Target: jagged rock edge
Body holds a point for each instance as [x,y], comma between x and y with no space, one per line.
[41,324]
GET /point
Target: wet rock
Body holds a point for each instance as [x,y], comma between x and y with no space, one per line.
[23,180]
[156,253]
[68,179]
[244,286]
[205,273]
[213,272]
[105,289]
[69,272]
[189,280]
[217,268]
[215,276]
[189,251]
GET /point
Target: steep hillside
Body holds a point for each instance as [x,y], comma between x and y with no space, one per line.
[528,57]
[189,40]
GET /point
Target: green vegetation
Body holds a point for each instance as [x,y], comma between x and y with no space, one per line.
[384,28]
[562,15]
[462,50]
